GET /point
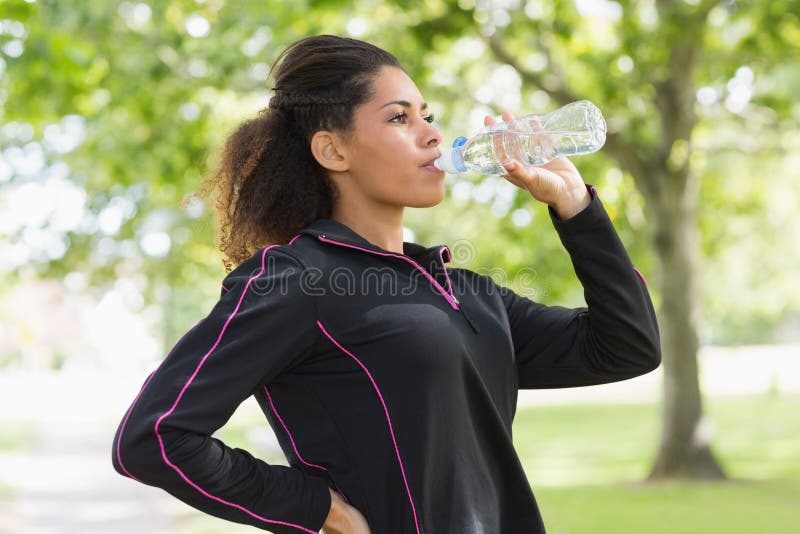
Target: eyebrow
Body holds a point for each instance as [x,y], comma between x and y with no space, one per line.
[404,103]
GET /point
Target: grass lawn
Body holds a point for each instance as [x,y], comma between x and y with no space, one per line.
[14,437]
[764,507]
[585,463]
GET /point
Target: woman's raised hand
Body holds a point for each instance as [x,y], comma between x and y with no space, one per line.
[557,182]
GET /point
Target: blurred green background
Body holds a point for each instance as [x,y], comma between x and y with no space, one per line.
[112,112]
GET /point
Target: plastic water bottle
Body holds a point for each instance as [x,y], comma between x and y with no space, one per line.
[577,128]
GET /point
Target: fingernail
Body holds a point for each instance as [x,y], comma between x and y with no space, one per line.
[510,165]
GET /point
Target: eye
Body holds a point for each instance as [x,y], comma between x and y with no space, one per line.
[397,117]
[403,116]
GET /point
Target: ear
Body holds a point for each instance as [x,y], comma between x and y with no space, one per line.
[329,151]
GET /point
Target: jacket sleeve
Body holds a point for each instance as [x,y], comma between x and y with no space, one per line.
[263,324]
[615,337]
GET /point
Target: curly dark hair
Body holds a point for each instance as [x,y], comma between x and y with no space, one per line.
[268,184]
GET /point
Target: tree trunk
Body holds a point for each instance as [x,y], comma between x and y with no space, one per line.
[684,450]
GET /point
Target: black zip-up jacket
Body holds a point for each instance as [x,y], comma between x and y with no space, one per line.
[389,378]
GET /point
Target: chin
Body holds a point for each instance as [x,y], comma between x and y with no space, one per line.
[427,196]
[427,202]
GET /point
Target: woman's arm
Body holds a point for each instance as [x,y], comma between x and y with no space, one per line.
[262,325]
[614,338]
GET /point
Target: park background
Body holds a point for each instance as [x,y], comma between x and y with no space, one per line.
[112,112]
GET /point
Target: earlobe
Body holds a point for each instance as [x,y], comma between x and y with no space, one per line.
[327,150]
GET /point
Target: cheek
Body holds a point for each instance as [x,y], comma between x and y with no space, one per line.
[385,165]
[384,157]
[391,148]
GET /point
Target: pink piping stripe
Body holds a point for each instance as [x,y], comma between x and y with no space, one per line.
[125,422]
[290,242]
[340,492]
[294,445]
[186,386]
[436,284]
[447,276]
[445,248]
[642,277]
[388,419]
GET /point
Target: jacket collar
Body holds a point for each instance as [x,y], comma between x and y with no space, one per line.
[336,231]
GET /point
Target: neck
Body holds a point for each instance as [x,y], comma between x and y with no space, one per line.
[381,225]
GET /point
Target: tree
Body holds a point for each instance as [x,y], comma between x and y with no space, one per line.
[643,62]
[126,102]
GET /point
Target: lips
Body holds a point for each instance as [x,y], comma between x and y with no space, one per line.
[429,163]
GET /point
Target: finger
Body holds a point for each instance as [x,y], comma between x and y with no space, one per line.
[488,120]
[510,166]
[526,176]
[514,180]
[507,116]
[516,173]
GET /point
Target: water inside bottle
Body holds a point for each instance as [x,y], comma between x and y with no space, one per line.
[577,128]
[486,153]
[539,148]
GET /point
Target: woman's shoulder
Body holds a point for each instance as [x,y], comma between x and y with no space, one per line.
[270,261]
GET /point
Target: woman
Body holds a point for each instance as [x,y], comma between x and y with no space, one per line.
[390,379]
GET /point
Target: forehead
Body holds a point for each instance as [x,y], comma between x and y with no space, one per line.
[392,83]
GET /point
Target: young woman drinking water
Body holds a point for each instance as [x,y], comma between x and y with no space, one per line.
[389,378]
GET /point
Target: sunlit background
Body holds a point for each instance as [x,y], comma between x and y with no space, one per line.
[112,112]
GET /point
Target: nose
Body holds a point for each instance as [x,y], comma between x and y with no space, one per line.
[433,137]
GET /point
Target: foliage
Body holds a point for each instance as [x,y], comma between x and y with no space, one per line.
[124,105]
